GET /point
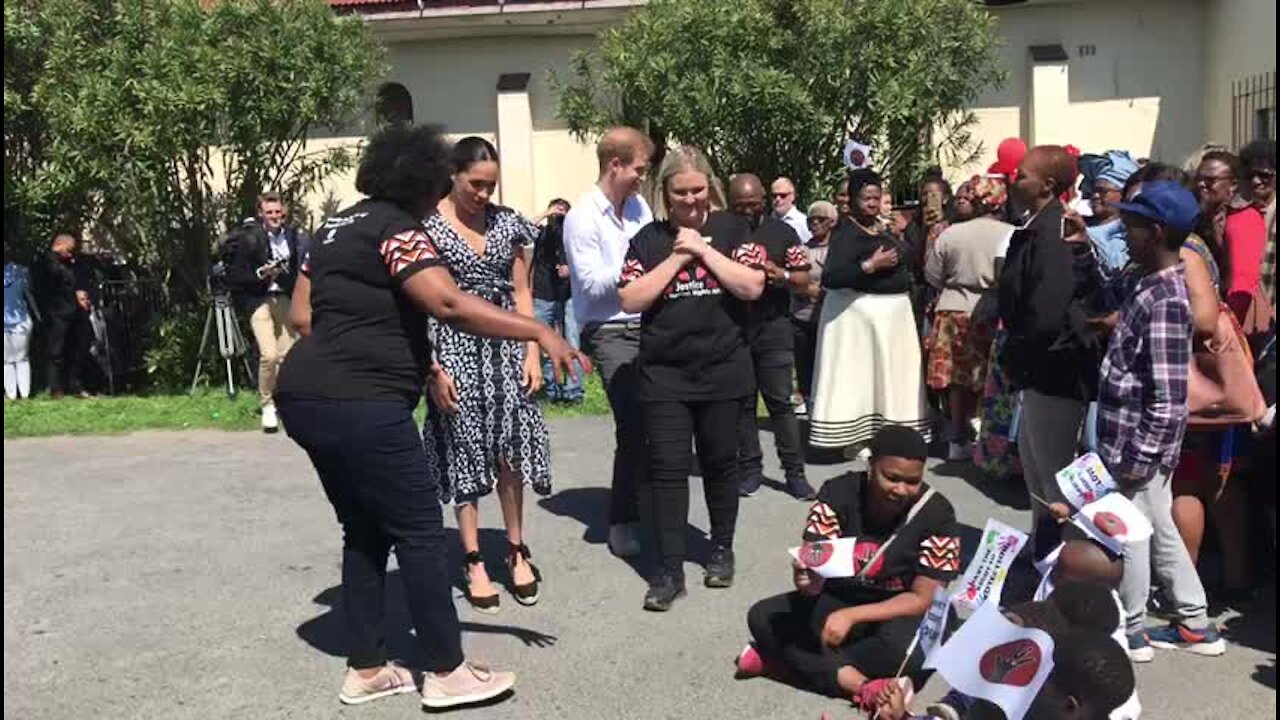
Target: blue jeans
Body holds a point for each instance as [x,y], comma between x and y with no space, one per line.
[558,314]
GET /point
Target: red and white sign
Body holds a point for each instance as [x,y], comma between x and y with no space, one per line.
[1114,521]
[836,558]
[986,573]
[996,660]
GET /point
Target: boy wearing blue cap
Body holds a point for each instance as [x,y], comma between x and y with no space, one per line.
[1142,413]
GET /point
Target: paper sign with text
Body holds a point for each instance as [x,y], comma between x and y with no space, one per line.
[1085,480]
[934,624]
[986,573]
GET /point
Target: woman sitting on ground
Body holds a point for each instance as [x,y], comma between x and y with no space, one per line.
[847,637]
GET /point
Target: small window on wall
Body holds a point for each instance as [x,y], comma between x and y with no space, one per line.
[394,105]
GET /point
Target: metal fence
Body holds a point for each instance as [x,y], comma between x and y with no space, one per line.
[129,308]
[1253,109]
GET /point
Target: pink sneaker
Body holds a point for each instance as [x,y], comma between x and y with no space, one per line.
[871,689]
[749,663]
[753,663]
[470,683]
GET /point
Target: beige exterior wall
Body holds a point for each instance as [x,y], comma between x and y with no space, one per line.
[453,82]
[1133,78]
[1150,76]
[1240,41]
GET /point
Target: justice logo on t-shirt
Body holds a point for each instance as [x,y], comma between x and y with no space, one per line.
[692,281]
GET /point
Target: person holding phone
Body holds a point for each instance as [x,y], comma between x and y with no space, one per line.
[484,429]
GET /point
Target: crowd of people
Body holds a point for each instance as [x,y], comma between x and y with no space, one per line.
[1058,304]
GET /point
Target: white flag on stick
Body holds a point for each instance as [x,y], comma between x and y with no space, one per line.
[934,624]
[1085,480]
[986,573]
[993,659]
[828,558]
[856,155]
[1114,521]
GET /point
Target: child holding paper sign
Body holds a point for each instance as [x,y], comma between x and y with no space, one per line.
[1142,414]
[846,637]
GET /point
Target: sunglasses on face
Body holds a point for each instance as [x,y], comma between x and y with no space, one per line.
[1211,180]
[818,219]
[780,195]
[1262,174]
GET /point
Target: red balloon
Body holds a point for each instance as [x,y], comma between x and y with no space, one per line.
[1011,152]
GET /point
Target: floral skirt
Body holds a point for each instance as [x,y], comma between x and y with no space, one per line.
[996,451]
[958,351]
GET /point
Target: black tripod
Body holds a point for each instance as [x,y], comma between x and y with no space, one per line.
[231,342]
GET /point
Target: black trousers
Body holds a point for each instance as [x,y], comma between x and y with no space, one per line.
[773,360]
[805,335]
[788,627]
[670,426]
[613,349]
[69,337]
[373,467]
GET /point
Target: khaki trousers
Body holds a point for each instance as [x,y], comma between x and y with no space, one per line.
[274,336]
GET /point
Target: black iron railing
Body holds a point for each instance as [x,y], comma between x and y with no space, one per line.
[1253,109]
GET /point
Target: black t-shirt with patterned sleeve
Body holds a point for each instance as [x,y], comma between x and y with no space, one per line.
[368,341]
[783,247]
[928,545]
[693,338]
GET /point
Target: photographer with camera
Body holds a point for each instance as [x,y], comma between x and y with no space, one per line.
[261,271]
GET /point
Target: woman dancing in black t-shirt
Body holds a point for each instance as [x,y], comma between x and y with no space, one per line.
[347,393]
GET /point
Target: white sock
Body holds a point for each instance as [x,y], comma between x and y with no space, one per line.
[10,380]
[24,378]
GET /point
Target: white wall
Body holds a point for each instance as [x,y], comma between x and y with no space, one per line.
[1240,41]
[1140,90]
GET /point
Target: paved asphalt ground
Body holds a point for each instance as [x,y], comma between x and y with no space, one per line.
[194,575]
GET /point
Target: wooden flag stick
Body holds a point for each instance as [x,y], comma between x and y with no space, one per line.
[1039,499]
[907,658]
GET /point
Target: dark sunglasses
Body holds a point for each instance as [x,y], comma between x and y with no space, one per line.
[817,219]
[780,194]
[1262,174]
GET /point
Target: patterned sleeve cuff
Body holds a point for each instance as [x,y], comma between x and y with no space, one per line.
[939,556]
[797,259]
[822,524]
[408,252]
[750,254]
[632,269]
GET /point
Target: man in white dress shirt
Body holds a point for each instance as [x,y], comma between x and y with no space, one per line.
[597,233]
[783,195]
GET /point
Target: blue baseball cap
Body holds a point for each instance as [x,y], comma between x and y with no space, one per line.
[1164,202]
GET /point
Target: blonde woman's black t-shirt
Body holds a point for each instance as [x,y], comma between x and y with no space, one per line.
[928,545]
[693,338]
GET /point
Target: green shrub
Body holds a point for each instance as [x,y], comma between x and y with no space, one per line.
[172,349]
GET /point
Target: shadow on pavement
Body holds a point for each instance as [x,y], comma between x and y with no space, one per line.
[1255,628]
[590,506]
[1009,492]
[327,631]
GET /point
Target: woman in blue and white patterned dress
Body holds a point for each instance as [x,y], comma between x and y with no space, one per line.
[484,430]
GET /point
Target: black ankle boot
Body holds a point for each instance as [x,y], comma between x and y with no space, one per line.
[719,571]
[663,591]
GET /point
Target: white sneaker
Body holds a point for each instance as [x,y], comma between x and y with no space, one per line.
[390,680]
[624,539]
[470,683]
[270,422]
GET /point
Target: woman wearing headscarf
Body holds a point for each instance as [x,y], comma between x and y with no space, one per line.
[1104,178]
[867,372]
[961,266]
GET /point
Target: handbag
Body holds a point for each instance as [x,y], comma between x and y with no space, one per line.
[1222,388]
